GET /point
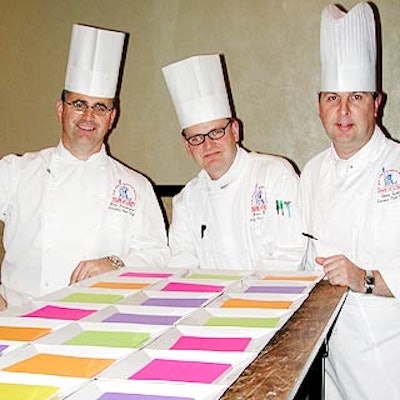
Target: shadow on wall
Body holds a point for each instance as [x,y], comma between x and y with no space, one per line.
[165,193]
[166,208]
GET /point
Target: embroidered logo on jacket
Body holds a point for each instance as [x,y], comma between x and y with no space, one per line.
[388,187]
[123,198]
[258,202]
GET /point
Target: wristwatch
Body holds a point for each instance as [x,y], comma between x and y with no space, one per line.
[369,282]
[116,262]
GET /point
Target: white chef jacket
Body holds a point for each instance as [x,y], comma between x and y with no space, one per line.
[59,210]
[247,219]
[353,208]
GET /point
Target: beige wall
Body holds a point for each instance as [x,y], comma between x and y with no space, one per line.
[271,49]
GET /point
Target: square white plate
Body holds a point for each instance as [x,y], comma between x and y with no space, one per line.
[235,362]
[74,354]
[257,338]
[311,277]
[103,334]
[194,285]
[8,346]
[17,329]
[65,385]
[170,299]
[160,273]
[238,317]
[141,315]
[42,310]
[79,294]
[195,391]
[217,274]
[263,301]
[274,287]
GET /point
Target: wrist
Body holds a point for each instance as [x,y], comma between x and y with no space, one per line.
[115,262]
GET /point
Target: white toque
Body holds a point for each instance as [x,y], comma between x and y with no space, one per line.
[94,61]
[198,90]
[348,49]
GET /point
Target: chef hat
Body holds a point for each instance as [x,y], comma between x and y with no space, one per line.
[197,88]
[348,49]
[94,61]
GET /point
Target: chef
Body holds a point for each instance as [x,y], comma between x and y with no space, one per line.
[72,211]
[351,200]
[241,211]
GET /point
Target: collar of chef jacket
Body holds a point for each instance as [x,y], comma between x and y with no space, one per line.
[65,155]
[229,175]
[368,153]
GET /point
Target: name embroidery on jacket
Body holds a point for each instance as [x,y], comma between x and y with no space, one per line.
[388,185]
[259,203]
[123,198]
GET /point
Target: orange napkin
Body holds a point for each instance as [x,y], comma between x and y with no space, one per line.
[54,364]
[120,285]
[22,333]
[241,303]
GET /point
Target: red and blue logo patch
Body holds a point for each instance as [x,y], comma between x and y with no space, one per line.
[388,185]
[123,198]
[259,202]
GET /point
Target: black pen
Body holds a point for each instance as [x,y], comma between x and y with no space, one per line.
[309,236]
[202,230]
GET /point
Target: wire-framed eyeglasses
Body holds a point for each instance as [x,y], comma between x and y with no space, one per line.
[214,134]
[80,106]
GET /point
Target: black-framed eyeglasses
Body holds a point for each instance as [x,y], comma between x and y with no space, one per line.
[214,134]
[80,106]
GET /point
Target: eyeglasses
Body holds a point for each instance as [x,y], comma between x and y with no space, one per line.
[81,106]
[214,134]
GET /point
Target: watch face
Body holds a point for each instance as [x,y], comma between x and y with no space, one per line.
[369,280]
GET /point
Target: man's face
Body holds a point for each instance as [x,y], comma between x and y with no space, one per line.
[83,131]
[215,156]
[349,119]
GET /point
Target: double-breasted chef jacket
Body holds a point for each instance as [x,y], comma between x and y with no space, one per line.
[59,210]
[248,219]
[352,207]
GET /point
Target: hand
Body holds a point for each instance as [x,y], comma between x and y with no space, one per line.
[87,269]
[3,303]
[339,270]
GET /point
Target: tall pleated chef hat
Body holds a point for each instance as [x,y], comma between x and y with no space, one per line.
[197,89]
[94,61]
[348,49]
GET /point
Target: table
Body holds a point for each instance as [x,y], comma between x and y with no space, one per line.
[284,363]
